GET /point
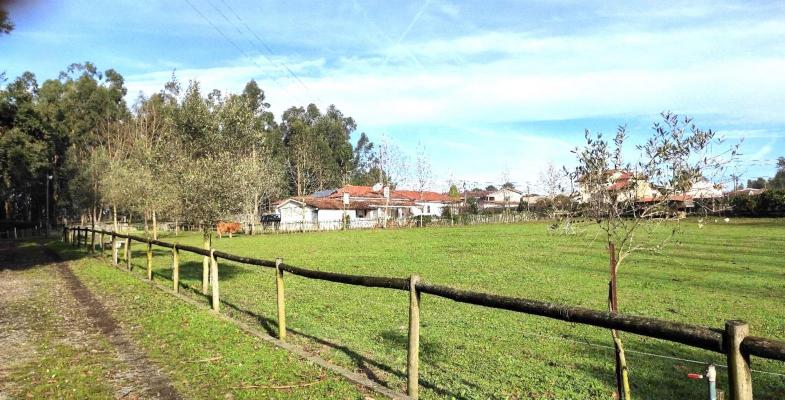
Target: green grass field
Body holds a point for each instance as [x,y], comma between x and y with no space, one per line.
[203,357]
[706,276]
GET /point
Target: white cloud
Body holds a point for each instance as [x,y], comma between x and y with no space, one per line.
[529,78]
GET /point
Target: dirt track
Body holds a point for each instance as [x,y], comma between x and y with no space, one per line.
[35,282]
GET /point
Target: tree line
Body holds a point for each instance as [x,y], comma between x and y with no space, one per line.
[182,154]
[777,182]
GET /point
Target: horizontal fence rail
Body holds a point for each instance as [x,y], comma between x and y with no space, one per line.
[723,341]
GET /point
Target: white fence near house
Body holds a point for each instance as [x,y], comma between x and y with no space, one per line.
[336,225]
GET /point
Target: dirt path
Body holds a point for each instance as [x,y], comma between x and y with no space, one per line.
[44,306]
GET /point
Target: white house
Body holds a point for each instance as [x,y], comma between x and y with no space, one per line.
[624,185]
[326,210]
[502,198]
[425,202]
[703,189]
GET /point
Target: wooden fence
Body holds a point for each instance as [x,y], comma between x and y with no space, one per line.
[734,340]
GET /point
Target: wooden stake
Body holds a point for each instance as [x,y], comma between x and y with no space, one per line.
[115,250]
[739,374]
[92,241]
[214,278]
[175,269]
[101,245]
[149,261]
[279,290]
[206,267]
[413,360]
[128,254]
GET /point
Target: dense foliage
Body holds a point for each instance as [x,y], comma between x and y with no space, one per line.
[770,203]
[179,153]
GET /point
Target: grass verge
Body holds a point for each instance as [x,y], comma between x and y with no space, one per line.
[204,357]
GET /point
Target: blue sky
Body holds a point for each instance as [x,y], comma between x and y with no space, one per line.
[484,86]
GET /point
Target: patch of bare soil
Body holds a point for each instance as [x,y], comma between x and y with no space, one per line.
[81,321]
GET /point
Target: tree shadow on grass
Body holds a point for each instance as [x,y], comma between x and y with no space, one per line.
[651,375]
[428,350]
[190,270]
[27,254]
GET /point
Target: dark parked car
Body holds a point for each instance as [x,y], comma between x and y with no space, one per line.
[270,218]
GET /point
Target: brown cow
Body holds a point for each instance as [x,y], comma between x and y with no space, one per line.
[227,227]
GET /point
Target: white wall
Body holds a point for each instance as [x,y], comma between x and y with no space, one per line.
[430,208]
[292,212]
[335,215]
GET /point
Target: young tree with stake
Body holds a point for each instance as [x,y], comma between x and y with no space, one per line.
[624,198]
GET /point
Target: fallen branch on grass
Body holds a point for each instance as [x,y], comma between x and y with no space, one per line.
[281,387]
[203,360]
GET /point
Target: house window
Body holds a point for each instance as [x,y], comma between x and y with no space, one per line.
[361,213]
[491,198]
[428,208]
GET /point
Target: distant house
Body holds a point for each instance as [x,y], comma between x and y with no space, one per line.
[427,203]
[367,206]
[502,198]
[623,185]
[704,189]
[745,192]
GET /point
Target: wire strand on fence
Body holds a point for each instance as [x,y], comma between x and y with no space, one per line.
[585,342]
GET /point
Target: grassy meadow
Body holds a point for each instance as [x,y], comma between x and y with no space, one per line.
[706,275]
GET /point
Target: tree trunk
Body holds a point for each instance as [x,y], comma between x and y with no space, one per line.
[622,376]
[114,216]
[176,226]
[155,227]
[146,230]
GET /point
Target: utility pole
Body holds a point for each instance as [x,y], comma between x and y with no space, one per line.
[735,182]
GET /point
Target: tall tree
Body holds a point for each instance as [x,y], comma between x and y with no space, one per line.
[423,170]
[366,169]
[6,26]
[778,181]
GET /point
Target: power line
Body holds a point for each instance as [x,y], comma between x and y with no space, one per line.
[266,47]
[232,42]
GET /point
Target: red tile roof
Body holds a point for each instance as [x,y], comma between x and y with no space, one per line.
[357,191]
[422,196]
[323,203]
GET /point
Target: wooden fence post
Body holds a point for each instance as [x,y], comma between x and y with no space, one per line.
[92,240]
[149,260]
[206,267]
[279,290]
[101,245]
[413,359]
[175,269]
[128,253]
[739,374]
[115,250]
[214,281]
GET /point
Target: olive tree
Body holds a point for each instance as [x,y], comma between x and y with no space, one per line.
[637,204]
